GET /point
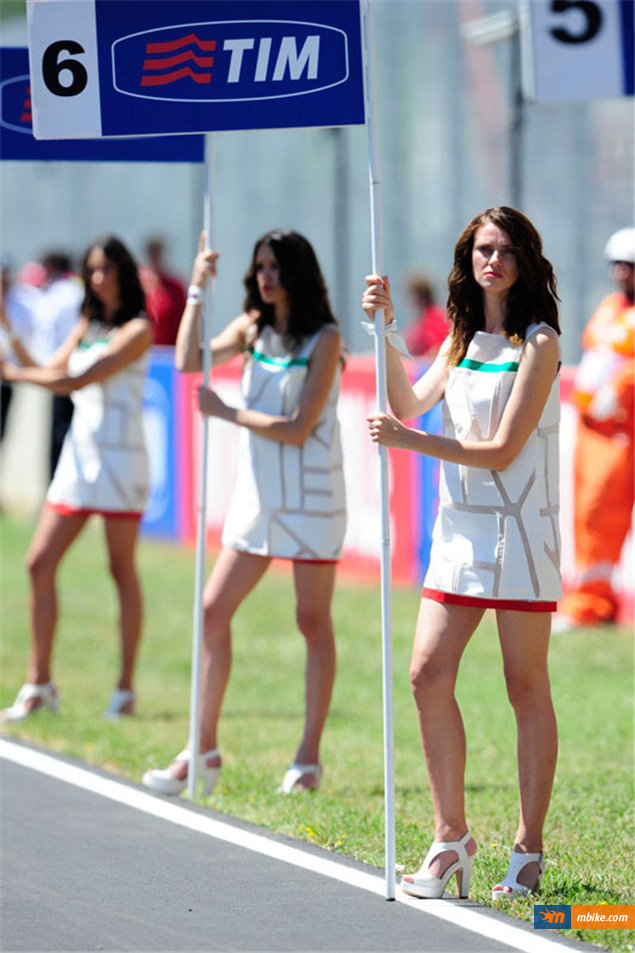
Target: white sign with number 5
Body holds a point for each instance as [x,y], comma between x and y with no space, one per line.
[580,49]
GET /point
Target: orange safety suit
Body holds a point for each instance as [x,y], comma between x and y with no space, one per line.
[604,471]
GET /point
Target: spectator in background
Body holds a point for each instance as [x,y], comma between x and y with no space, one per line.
[57,314]
[165,293]
[17,305]
[429,331]
[604,471]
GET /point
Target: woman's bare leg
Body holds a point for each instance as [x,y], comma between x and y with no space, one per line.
[442,634]
[314,584]
[53,536]
[234,576]
[121,540]
[524,638]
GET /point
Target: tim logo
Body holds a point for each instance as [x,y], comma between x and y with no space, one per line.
[230,61]
[15,105]
[552,917]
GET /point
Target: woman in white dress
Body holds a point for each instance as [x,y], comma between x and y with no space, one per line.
[103,467]
[496,540]
[289,500]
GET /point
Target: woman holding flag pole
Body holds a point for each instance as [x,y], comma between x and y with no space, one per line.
[496,539]
[103,467]
[289,499]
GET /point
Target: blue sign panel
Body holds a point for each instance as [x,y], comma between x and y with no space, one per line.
[107,68]
[16,131]
[161,514]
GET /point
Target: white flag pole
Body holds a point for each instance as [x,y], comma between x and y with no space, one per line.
[380,367]
[199,582]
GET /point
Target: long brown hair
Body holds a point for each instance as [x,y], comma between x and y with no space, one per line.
[133,300]
[302,279]
[532,297]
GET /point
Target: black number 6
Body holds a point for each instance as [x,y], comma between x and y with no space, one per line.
[592,13]
[52,67]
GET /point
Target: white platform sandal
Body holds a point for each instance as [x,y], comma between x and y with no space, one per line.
[46,695]
[425,884]
[122,702]
[509,888]
[164,782]
[297,771]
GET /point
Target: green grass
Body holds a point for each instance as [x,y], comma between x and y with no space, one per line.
[589,828]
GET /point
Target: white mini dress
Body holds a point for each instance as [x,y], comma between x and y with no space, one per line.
[103,466]
[288,501]
[496,539]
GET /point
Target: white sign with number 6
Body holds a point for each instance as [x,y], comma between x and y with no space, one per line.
[64,76]
[580,49]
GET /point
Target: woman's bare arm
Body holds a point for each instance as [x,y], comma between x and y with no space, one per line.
[538,368]
[296,428]
[131,341]
[406,400]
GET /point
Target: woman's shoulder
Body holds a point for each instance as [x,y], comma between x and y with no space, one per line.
[543,338]
[139,324]
[541,328]
[327,339]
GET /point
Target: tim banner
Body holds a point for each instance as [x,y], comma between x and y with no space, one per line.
[18,143]
[107,68]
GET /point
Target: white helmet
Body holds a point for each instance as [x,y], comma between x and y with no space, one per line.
[621,246]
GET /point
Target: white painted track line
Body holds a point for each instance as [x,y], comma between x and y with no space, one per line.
[470,919]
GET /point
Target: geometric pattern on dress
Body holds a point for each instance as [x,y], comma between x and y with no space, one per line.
[294,496]
[515,510]
[507,509]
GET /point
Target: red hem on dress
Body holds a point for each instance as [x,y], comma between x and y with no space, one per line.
[520,605]
[65,510]
[315,562]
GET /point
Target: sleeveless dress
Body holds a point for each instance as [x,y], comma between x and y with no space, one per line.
[288,501]
[496,539]
[103,466]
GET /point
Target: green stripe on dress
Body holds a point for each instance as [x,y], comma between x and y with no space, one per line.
[280,361]
[85,345]
[490,368]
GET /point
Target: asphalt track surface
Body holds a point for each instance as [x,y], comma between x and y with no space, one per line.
[89,863]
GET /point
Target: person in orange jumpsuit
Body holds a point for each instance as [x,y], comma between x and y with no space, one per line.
[604,471]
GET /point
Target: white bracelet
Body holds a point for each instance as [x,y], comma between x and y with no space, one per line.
[194,294]
[391,334]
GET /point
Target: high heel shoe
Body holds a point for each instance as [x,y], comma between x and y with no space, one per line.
[46,695]
[509,887]
[425,884]
[122,702]
[164,782]
[297,771]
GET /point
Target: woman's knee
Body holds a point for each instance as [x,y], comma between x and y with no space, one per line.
[40,565]
[314,623]
[428,676]
[122,569]
[216,619]
[526,689]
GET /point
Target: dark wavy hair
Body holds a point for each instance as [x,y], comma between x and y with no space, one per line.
[133,300]
[532,297]
[301,278]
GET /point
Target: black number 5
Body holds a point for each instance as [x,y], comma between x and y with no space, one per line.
[52,67]
[592,14]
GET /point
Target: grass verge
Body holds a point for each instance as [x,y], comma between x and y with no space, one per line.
[589,827]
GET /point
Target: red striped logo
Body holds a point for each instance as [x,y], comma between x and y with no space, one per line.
[162,56]
[26,117]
